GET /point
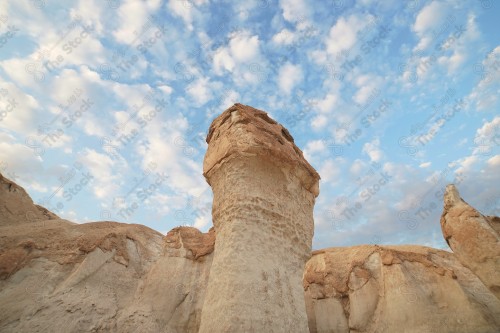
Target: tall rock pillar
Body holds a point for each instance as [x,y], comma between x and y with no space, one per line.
[264,192]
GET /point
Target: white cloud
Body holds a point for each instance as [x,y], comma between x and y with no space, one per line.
[319,57]
[18,160]
[330,171]
[129,94]
[459,45]
[487,137]
[167,146]
[228,98]
[313,147]
[72,87]
[185,9]
[134,18]
[163,203]
[15,68]
[35,186]
[71,215]
[294,10]
[327,104]
[425,164]
[325,108]
[91,12]
[430,17]
[319,122]
[434,22]
[166,89]
[92,125]
[494,162]
[285,37]
[182,8]
[242,48]
[357,167]
[373,150]
[343,35]
[289,76]
[42,29]
[89,52]
[453,62]
[223,61]
[20,110]
[465,165]
[485,94]
[363,94]
[200,91]
[105,173]
[367,86]
[202,221]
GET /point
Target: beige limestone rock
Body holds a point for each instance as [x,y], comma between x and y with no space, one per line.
[474,238]
[16,206]
[58,276]
[371,288]
[264,193]
[118,278]
[171,295]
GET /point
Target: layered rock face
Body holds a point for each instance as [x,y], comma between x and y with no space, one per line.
[474,238]
[264,193]
[58,276]
[371,288]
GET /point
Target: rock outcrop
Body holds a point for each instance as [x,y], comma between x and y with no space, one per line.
[264,193]
[17,207]
[371,288]
[474,238]
[58,276]
[247,273]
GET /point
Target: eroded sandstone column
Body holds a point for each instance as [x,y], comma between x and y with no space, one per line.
[264,192]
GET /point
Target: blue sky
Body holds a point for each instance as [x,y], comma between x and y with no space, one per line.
[105,105]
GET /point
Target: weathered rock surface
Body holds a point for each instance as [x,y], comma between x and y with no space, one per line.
[264,193]
[246,274]
[474,238]
[371,288]
[17,207]
[58,276]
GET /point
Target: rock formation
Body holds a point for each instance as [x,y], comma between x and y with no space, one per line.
[16,205]
[247,273]
[371,288]
[474,238]
[264,193]
[59,276]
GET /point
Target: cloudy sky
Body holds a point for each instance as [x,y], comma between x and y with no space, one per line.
[105,105]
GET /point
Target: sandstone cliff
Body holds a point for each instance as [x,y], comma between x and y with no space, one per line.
[59,276]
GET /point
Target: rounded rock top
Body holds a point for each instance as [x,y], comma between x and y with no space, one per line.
[242,130]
